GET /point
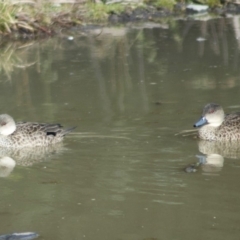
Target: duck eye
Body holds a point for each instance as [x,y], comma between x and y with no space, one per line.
[3,123]
[211,111]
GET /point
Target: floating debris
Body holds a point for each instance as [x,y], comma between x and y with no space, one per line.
[201,39]
[191,168]
[19,236]
[196,8]
[70,38]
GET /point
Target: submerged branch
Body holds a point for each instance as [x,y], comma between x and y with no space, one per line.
[186,133]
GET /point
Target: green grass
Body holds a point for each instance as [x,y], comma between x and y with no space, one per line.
[213,3]
[168,4]
[32,18]
[100,12]
[8,16]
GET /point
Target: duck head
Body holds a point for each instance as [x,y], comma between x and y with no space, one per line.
[7,125]
[212,115]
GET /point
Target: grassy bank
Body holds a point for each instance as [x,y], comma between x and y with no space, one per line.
[35,18]
[47,18]
[41,17]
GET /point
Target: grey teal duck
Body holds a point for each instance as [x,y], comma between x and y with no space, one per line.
[29,134]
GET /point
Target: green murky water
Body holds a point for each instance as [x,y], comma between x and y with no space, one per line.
[120,175]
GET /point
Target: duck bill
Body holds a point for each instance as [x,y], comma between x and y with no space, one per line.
[202,121]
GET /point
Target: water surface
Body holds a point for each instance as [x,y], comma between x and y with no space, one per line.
[120,175]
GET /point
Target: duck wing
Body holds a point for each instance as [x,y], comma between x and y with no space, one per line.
[232,121]
[233,116]
[44,128]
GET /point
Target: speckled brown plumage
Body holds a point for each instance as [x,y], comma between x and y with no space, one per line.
[30,134]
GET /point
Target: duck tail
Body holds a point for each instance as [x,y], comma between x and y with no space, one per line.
[68,130]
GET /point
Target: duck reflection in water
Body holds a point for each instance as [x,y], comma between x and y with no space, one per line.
[212,158]
[10,157]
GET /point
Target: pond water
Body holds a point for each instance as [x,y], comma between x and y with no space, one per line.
[120,175]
